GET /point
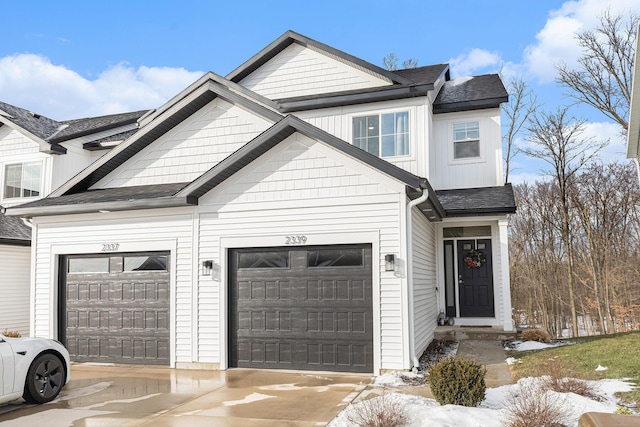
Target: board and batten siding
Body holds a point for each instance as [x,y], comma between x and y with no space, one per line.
[191,148]
[87,233]
[15,288]
[339,122]
[485,171]
[300,71]
[303,187]
[425,304]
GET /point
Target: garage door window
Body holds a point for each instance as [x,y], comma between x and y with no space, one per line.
[335,258]
[88,265]
[145,263]
[263,259]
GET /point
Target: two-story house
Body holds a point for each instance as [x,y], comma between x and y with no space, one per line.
[310,210]
[38,154]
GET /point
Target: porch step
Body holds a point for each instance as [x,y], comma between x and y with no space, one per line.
[478,333]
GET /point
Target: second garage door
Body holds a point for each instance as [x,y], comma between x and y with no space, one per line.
[303,308]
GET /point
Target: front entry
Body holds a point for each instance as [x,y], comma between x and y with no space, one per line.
[475,278]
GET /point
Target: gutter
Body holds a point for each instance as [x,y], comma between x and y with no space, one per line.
[412,339]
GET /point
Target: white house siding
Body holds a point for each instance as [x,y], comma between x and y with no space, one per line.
[486,171]
[191,148]
[299,71]
[15,263]
[133,231]
[425,305]
[68,165]
[339,122]
[13,143]
[303,187]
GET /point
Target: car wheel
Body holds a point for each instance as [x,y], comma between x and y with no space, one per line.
[45,379]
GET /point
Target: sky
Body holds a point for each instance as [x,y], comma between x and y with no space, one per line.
[72,59]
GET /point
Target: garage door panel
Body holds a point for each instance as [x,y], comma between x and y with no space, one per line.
[305,316]
[117,316]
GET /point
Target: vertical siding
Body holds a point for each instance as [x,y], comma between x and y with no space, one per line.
[299,71]
[486,171]
[303,187]
[191,148]
[15,263]
[137,227]
[425,306]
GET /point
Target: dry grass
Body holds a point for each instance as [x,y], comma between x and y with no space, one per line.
[11,334]
[538,335]
[533,406]
[380,411]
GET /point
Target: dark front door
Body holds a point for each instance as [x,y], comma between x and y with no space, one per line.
[301,308]
[475,278]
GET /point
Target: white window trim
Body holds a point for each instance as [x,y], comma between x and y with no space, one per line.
[451,143]
[3,177]
[412,130]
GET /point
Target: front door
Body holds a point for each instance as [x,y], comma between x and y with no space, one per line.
[475,278]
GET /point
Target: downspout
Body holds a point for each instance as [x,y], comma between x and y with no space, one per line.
[412,339]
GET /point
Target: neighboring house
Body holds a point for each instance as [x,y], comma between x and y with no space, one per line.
[38,154]
[309,211]
[633,132]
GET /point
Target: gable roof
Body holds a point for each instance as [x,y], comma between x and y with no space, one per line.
[179,108]
[186,194]
[478,201]
[13,231]
[86,126]
[470,93]
[34,126]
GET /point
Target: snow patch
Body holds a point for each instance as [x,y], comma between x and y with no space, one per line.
[534,345]
[253,397]
[601,368]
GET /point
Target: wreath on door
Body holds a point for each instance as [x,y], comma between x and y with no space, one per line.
[475,259]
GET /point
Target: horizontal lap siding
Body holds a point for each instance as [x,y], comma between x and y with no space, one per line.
[13,143]
[345,200]
[299,71]
[15,264]
[425,310]
[191,148]
[135,229]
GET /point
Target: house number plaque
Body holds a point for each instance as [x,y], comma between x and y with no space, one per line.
[110,247]
[295,240]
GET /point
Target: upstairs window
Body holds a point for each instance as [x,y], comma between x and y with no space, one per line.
[384,135]
[466,140]
[22,180]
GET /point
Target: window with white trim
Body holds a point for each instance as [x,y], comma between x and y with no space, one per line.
[384,135]
[22,180]
[466,140]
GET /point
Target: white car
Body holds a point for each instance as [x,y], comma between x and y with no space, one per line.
[34,368]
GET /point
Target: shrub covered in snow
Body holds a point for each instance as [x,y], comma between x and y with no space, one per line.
[458,381]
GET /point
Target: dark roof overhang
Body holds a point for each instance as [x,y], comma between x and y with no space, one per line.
[482,201]
[14,242]
[469,105]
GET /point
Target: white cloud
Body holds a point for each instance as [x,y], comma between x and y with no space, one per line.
[33,82]
[556,42]
[476,59]
[615,151]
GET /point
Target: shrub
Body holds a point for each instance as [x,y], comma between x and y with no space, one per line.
[11,334]
[380,411]
[536,335]
[533,406]
[457,381]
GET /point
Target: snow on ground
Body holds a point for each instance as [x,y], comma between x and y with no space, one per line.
[534,345]
[423,412]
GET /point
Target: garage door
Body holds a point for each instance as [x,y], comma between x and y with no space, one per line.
[303,308]
[116,308]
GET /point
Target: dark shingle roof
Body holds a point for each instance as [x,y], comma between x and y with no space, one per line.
[79,127]
[13,230]
[427,74]
[477,201]
[41,126]
[470,93]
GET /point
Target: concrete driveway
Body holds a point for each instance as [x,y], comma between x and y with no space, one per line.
[116,396]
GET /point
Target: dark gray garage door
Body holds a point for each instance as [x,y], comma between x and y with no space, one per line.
[115,308]
[303,308]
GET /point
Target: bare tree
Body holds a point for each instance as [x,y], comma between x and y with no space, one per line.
[603,75]
[522,103]
[556,138]
[410,63]
[390,62]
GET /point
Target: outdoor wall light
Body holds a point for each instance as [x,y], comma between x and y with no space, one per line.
[207,267]
[389,262]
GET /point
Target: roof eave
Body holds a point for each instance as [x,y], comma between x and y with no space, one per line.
[385,93]
[480,212]
[469,105]
[15,242]
[45,147]
[93,130]
[103,207]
